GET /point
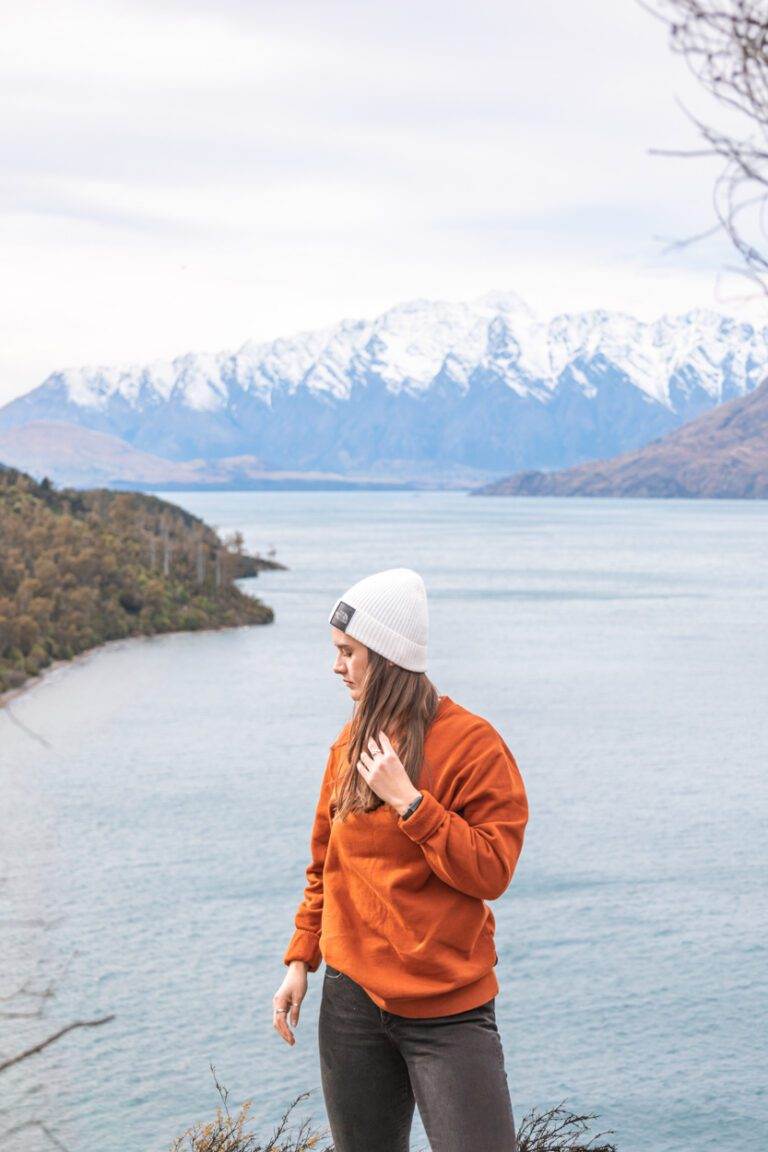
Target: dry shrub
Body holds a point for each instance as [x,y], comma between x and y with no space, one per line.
[226,1133]
[556,1130]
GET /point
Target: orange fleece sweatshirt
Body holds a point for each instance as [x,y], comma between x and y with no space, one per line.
[399,905]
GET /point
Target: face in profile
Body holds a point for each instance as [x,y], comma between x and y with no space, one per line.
[351,661]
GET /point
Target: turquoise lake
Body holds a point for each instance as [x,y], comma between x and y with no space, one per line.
[156,800]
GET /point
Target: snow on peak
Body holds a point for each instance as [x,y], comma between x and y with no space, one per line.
[498,300]
[411,345]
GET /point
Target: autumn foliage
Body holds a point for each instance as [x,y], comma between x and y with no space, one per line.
[78,568]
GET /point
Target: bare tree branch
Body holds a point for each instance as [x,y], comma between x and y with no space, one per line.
[725,46]
[26,990]
[25,728]
[43,1128]
[51,1039]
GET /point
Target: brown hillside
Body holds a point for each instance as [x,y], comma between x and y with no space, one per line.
[723,454]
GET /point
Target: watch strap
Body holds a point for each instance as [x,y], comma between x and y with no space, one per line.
[413,805]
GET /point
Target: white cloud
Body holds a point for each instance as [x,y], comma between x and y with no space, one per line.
[189,176]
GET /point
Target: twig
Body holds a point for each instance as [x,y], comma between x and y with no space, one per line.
[43,1128]
[29,731]
[51,1039]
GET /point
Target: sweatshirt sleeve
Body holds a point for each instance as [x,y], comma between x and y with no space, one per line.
[475,847]
[305,942]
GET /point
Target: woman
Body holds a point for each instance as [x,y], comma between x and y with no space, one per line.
[420,820]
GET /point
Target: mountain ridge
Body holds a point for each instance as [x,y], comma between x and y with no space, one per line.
[720,455]
[482,387]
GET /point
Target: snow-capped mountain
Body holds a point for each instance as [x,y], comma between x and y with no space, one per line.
[484,385]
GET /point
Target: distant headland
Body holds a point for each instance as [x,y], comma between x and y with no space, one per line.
[80,568]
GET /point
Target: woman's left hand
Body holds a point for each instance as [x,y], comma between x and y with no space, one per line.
[382,769]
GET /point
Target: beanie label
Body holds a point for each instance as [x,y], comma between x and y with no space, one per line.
[342,615]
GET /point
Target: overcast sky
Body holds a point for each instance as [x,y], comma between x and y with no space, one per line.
[187,176]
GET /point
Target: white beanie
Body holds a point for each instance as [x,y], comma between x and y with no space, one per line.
[388,613]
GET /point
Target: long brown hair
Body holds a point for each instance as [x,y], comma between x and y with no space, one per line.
[403,704]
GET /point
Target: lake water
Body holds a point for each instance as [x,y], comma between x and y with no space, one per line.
[156,801]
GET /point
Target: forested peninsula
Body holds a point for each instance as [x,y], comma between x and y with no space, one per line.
[81,567]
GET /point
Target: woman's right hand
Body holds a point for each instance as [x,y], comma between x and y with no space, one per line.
[289,997]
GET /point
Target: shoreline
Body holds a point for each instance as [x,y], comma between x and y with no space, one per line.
[55,665]
[89,653]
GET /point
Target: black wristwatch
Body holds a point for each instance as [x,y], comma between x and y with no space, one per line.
[413,806]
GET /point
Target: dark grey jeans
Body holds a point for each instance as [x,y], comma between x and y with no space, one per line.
[376,1066]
